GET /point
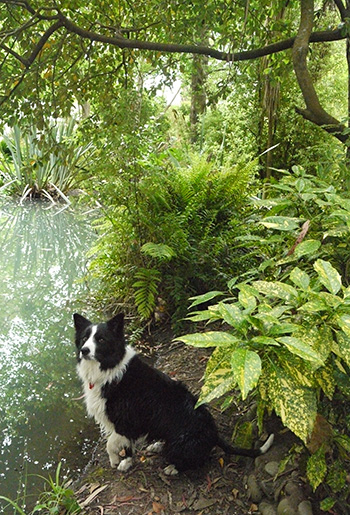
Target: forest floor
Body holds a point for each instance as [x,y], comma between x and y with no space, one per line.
[226,485]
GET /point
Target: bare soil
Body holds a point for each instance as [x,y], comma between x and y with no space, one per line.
[219,488]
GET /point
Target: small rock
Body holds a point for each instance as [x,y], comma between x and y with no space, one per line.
[291,487]
[266,508]
[305,508]
[272,468]
[203,503]
[254,491]
[285,508]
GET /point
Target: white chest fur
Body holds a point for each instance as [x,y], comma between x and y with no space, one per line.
[94,379]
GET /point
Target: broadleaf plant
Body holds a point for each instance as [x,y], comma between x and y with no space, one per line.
[286,323]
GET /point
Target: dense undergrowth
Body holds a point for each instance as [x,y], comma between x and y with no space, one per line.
[267,264]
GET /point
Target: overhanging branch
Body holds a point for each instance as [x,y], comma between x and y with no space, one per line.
[122,42]
[314,112]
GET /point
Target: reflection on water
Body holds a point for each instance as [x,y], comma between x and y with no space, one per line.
[42,259]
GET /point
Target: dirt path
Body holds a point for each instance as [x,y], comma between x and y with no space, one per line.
[226,485]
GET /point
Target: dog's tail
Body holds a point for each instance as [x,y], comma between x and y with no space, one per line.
[253,453]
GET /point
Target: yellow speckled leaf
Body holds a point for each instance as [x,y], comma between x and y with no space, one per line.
[344,346]
[209,339]
[246,366]
[316,468]
[294,403]
[328,276]
[325,378]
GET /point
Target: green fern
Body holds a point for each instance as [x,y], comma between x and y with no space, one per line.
[158,250]
[146,291]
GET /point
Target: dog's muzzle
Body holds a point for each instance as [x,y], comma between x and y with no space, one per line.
[85,353]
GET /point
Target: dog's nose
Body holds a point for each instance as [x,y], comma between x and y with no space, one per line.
[85,351]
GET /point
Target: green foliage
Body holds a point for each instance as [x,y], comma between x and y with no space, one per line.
[146,291]
[287,321]
[57,499]
[171,232]
[280,344]
[43,162]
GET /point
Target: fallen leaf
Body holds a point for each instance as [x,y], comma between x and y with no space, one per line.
[92,496]
[221,462]
[235,493]
[203,503]
[93,487]
[209,483]
[157,507]
[124,498]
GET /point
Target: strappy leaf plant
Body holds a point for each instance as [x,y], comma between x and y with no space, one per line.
[43,163]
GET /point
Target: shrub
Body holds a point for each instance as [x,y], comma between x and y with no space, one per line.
[43,163]
[287,321]
[171,236]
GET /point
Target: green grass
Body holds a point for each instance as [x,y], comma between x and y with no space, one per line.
[57,499]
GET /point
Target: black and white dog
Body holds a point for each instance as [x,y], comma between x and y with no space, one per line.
[131,400]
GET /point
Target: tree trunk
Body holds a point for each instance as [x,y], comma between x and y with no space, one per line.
[314,112]
[198,93]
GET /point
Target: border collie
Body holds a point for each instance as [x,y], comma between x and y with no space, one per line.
[131,400]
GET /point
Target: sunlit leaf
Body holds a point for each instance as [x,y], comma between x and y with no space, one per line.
[246,366]
[206,297]
[281,223]
[301,349]
[344,323]
[212,390]
[209,339]
[306,247]
[300,278]
[294,403]
[276,289]
[232,315]
[344,346]
[328,276]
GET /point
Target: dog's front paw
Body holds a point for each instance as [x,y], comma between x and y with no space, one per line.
[171,470]
[114,460]
[125,464]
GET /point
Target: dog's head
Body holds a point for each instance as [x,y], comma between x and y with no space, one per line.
[104,342]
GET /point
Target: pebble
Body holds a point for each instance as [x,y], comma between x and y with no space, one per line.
[266,508]
[254,491]
[291,488]
[305,508]
[272,468]
[285,508]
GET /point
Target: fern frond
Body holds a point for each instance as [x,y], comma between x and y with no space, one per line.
[146,291]
[158,250]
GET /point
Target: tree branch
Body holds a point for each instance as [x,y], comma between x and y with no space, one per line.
[314,112]
[14,54]
[121,42]
[31,58]
[341,8]
[40,44]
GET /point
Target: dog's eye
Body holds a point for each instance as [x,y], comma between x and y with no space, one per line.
[84,339]
[100,339]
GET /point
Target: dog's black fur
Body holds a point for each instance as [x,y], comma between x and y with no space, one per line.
[140,401]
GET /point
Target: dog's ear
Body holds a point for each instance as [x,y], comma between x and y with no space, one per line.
[80,322]
[116,324]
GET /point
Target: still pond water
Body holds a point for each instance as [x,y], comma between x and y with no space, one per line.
[42,264]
